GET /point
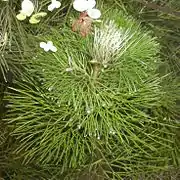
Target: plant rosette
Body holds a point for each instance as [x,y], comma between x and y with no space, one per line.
[87,102]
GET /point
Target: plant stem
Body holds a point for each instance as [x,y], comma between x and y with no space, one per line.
[96,70]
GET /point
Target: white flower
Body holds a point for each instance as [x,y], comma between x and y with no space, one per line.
[27,7]
[48,46]
[54,4]
[87,5]
[94,13]
[80,5]
[109,41]
[91,4]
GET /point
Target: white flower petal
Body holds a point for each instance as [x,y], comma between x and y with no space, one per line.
[27,7]
[42,44]
[50,43]
[51,7]
[94,13]
[80,5]
[46,48]
[53,48]
[57,4]
[91,4]
[53,1]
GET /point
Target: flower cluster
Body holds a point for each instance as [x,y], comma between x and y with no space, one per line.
[27,9]
[88,6]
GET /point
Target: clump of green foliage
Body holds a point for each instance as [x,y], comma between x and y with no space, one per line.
[90,106]
[87,111]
